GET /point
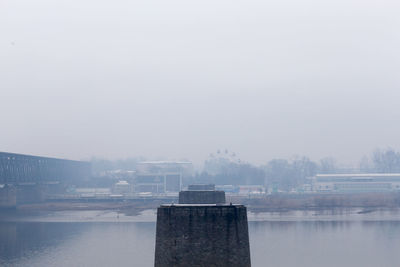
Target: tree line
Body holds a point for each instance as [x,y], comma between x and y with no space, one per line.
[286,174]
[282,174]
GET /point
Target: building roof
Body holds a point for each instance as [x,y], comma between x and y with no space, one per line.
[359,175]
[165,162]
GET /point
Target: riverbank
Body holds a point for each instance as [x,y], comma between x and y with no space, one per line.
[259,207]
[150,215]
[315,202]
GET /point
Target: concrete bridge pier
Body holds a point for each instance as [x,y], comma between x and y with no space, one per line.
[198,234]
[8,197]
[28,194]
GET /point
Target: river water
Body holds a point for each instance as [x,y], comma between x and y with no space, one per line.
[109,239]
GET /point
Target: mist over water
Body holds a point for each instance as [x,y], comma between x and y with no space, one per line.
[278,244]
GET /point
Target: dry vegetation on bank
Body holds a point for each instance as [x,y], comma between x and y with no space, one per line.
[276,202]
[281,202]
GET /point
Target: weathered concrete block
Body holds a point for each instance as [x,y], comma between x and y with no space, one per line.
[201,197]
[202,235]
[201,187]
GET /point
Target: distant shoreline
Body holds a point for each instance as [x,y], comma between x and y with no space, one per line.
[149,216]
[361,205]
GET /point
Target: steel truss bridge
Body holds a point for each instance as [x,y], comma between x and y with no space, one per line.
[18,169]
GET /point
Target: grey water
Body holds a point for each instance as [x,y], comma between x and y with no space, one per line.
[273,243]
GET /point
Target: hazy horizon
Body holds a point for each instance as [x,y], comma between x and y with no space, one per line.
[180,79]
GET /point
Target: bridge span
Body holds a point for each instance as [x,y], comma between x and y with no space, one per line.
[25,178]
[22,169]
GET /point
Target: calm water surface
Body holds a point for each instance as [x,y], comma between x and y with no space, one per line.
[273,243]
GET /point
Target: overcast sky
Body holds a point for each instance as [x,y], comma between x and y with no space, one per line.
[180,79]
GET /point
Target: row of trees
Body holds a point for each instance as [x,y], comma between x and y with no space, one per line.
[381,161]
[288,174]
[283,174]
[224,171]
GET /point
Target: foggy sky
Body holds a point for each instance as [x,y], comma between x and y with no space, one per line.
[180,79]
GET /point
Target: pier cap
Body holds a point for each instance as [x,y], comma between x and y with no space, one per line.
[201,205]
[201,187]
[201,194]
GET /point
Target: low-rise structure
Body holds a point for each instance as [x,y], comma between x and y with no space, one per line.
[356,182]
[158,177]
[122,187]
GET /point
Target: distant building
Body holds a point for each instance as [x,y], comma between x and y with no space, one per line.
[122,187]
[160,177]
[251,189]
[354,183]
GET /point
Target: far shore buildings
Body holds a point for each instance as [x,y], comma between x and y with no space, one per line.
[161,177]
[356,183]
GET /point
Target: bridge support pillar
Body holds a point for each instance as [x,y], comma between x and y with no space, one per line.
[28,194]
[202,235]
[8,197]
[202,231]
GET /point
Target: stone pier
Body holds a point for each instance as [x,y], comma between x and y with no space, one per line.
[202,234]
[8,197]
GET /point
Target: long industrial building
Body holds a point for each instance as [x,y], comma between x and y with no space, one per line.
[356,182]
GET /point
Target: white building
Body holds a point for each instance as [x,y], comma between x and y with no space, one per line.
[356,182]
[122,187]
[161,176]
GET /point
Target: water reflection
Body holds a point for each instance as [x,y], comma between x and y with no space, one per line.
[19,240]
[76,244]
[273,243]
[325,243]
